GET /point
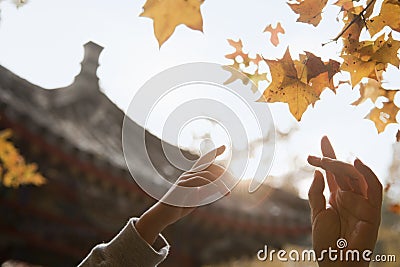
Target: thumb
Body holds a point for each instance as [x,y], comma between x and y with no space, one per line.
[316,196]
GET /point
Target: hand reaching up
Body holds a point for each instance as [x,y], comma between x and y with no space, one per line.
[353,212]
[204,172]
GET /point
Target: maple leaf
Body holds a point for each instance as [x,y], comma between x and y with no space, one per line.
[353,26]
[234,75]
[387,51]
[354,20]
[255,77]
[345,4]
[368,12]
[388,16]
[364,59]
[384,116]
[286,86]
[357,68]
[238,45]
[168,14]
[365,49]
[298,83]
[321,82]
[309,10]
[274,33]
[370,90]
[315,66]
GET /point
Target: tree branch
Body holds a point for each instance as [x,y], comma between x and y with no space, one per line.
[357,18]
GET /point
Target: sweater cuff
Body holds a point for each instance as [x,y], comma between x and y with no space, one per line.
[128,248]
[151,253]
[137,249]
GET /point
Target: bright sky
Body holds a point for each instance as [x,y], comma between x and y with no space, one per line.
[43,43]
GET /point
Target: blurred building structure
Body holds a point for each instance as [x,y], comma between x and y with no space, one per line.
[74,135]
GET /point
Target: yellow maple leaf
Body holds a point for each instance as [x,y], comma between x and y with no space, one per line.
[372,89]
[321,82]
[364,58]
[345,4]
[382,117]
[168,14]
[389,16]
[288,88]
[309,10]
[274,33]
[255,77]
[298,83]
[357,68]
[387,51]
[365,49]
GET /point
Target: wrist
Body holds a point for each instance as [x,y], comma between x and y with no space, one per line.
[150,225]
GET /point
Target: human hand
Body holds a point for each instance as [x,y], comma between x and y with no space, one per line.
[161,215]
[354,210]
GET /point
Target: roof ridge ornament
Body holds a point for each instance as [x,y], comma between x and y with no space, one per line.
[90,61]
[86,83]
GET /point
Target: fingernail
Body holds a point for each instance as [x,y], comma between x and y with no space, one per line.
[313,159]
[220,150]
[358,161]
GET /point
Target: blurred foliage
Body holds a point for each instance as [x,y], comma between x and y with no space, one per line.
[13,169]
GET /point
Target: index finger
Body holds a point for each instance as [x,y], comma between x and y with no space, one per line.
[329,152]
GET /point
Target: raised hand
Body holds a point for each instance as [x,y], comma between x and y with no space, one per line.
[353,212]
[159,216]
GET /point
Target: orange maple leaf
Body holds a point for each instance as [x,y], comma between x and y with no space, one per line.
[274,33]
